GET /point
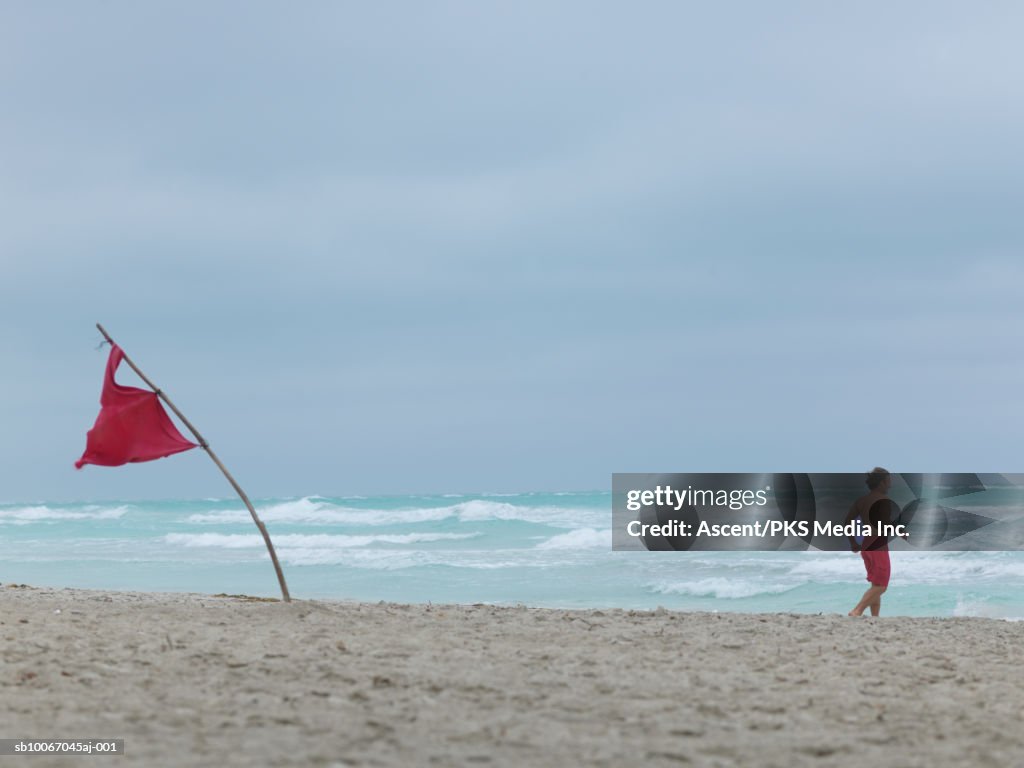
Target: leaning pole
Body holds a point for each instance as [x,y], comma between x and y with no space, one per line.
[209,451]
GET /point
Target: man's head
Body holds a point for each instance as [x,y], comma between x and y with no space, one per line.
[878,479]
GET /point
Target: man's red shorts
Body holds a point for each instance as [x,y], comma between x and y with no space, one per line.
[877,563]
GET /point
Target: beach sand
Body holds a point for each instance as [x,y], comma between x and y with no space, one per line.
[200,680]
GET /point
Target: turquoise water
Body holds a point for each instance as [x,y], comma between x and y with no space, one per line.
[538,549]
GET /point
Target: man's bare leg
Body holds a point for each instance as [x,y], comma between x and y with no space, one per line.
[876,607]
[873,598]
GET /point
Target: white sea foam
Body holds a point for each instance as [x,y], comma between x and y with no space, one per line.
[320,541]
[952,567]
[581,538]
[42,513]
[401,559]
[918,567]
[829,568]
[382,560]
[724,589]
[981,607]
[306,510]
[319,511]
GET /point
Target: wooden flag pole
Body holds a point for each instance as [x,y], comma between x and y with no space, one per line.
[206,447]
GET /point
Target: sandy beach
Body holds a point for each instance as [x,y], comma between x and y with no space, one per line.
[201,680]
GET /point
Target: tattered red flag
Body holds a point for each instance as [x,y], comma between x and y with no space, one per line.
[132,425]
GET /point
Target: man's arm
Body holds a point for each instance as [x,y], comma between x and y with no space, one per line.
[850,517]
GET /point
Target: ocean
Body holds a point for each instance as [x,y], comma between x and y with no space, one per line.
[537,549]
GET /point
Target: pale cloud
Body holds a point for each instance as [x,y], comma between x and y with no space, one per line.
[449,246]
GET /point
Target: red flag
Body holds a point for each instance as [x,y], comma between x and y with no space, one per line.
[132,425]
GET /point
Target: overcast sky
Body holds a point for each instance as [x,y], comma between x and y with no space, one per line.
[447,247]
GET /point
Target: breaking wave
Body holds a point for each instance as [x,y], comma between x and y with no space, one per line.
[315,510]
[581,538]
[723,589]
[42,513]
[323,541]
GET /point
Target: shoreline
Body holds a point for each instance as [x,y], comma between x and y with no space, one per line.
[198,679]
[891,604]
